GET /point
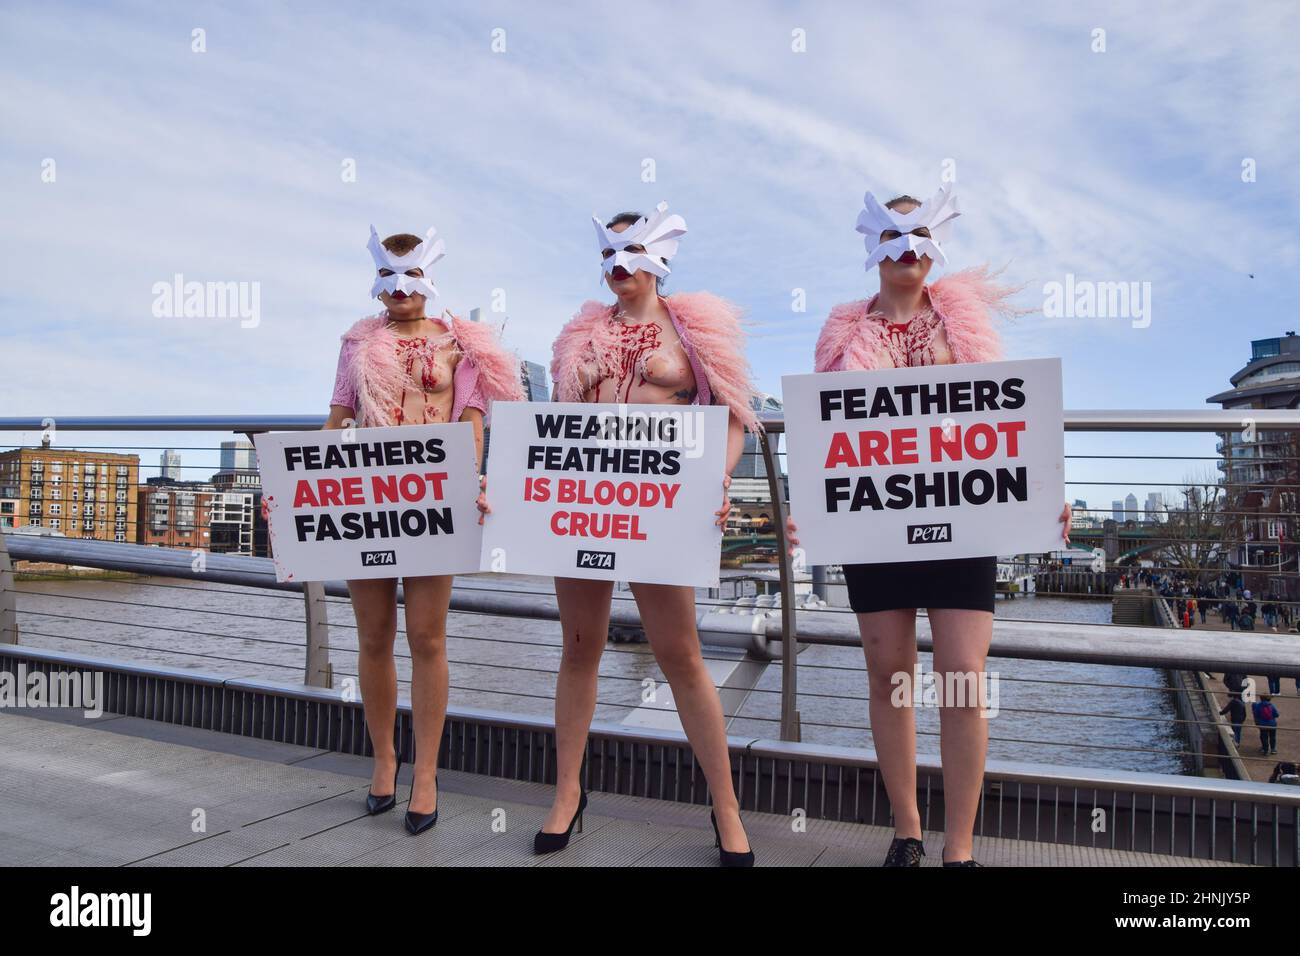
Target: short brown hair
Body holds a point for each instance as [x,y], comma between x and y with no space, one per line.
[401,243]
[898,200]
[625,219]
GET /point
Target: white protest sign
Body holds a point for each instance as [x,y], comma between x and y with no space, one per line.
[927,463]
[371,502]
[606,491]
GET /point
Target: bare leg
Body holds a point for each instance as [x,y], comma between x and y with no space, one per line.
[427,599]
[889,642]
[584,620]
[961,647]
[374,602]
[668,614]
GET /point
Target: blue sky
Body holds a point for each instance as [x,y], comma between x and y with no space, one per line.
[225,165]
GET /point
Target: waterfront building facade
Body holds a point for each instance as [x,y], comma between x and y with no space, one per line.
[1259,472]
[79,494]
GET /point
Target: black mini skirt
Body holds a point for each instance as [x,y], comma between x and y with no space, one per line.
[961,583]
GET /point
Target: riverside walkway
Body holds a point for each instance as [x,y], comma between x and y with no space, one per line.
[1287,703]
[121,791]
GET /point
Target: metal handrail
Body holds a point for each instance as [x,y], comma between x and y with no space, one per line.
[1076,420]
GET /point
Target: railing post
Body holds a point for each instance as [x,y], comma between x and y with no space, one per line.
[319,673]
[8,597]
[789,649]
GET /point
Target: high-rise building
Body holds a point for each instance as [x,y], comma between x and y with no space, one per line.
[1117,511]
[1271,379]
[1131,507]
[79,494]
[536,388]
[1261,470]
[1155,507]
[169,464]
[238,456]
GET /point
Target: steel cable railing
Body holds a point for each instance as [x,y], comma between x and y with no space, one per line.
[557,647]
[736,716]
[613,677]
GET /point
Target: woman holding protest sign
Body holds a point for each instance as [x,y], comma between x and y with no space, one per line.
[909,323]
[402,368]
[681,349]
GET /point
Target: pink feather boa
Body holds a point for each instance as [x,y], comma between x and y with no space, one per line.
[964,302]
[484,367]
[709,327]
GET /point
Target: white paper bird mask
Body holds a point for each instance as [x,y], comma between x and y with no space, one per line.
[422,257]
[657,234]
[935,215]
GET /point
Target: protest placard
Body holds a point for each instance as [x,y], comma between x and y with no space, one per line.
[371,502]
[916,464]
[606,491]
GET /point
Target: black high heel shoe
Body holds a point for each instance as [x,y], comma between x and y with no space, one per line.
[417,823]
[376,805]
[551,842]
[904,851]
[729,857]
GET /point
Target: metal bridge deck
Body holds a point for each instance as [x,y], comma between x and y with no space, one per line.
[120,791]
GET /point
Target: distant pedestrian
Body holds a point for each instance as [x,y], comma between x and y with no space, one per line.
[1266,720]
[1247,617]
[1236,712]
[1204,607]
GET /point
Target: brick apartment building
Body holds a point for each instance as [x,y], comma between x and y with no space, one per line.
[79,494]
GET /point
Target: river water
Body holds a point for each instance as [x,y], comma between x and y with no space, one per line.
[1073,714]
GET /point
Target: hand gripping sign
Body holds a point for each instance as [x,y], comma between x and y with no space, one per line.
[371,502]
[921,464]
[606,491]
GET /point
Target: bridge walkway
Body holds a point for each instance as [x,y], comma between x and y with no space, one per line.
[120,791]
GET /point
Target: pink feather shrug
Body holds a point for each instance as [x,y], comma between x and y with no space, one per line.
[709,328]
[964,302]
[369,373]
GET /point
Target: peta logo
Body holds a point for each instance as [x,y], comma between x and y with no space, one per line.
[929,533]
[373,559]
[603,560]
[75,908]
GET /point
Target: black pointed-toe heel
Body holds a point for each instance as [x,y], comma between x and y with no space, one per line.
[729,857]
[417,823]
[376,805]
[551,842]
[904,851]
